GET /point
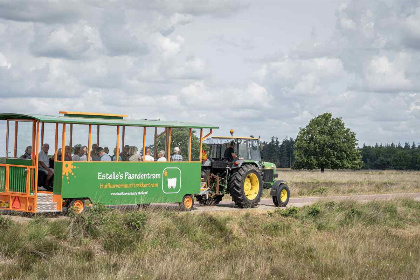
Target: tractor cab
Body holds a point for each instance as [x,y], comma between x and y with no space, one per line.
[246,148]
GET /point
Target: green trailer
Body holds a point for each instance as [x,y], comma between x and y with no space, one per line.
[25,185]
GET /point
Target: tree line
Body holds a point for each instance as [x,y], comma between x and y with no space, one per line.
[379,156]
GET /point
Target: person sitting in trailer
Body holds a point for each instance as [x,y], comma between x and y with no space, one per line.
[176,156]
[67,156]
[114,157]
[125,155]
[44,168]
[148,156]
[134,155]
[83,154]
[76,156]
[104,156]
[106,150]
[161,156]
[94,153]
[28,153]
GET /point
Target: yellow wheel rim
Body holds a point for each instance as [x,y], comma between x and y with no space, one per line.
[283,195]
[78,206]
[251,186]
[188,202]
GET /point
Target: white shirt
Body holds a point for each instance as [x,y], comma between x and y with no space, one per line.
[162,159]
[76,158]
[149,158]
[43,157]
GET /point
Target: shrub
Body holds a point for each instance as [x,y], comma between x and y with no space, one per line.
[313,211]
[288,212]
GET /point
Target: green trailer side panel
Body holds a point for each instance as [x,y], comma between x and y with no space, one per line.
[18,161]
[58,167]
[119,183]
[2,178]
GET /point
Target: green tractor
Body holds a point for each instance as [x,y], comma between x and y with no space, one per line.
[243,176]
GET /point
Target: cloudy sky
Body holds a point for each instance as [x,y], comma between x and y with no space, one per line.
[260,67]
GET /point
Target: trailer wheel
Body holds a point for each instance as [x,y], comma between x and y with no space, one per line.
[282,197]
[77,205]
[187,203]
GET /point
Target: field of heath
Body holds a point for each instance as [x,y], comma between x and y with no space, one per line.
[328,240]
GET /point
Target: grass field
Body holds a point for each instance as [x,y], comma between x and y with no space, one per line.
[346,240]
[315,183]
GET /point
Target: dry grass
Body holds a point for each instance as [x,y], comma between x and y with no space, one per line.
[346,240]
[307,183]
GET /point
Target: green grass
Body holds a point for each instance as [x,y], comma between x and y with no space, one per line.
[346,240]
[315,183]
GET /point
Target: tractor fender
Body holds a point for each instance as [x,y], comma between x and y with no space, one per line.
[276,186]
[237,163]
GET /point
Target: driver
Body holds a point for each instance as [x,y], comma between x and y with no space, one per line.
[230,152]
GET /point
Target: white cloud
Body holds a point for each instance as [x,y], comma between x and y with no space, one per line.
[4,62]
[139,58]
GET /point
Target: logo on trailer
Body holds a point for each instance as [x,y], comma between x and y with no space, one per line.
[171,180]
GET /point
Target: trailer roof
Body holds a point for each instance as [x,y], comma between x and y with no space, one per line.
[101,119]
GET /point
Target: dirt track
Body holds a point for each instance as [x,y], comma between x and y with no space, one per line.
[265,204]
[302,201]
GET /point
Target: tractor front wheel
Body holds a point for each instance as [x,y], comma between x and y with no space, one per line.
[282,197]
[245,186]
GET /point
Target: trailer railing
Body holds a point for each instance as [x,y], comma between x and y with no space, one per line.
[17,179]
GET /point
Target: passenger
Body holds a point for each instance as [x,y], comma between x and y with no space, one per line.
[76,156]
[44,166]
[83,154]
[176,156]
[148,156]
[94,153]
[125,155]
[28,153]
[134,155]
[114,157]
[67,156]
[106,150]
[230,152]
[161,156]
[59,154]
[103,156]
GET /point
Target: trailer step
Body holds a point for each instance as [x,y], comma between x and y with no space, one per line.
[44,203]
[44,197]
[46,207]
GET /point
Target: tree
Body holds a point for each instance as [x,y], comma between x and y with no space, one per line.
[180,138]
[326,143]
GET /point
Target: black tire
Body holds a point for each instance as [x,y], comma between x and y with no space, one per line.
[237,186]
[282,197]
[187,203]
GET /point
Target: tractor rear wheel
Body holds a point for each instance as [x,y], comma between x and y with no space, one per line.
[245,186]
[282,197]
